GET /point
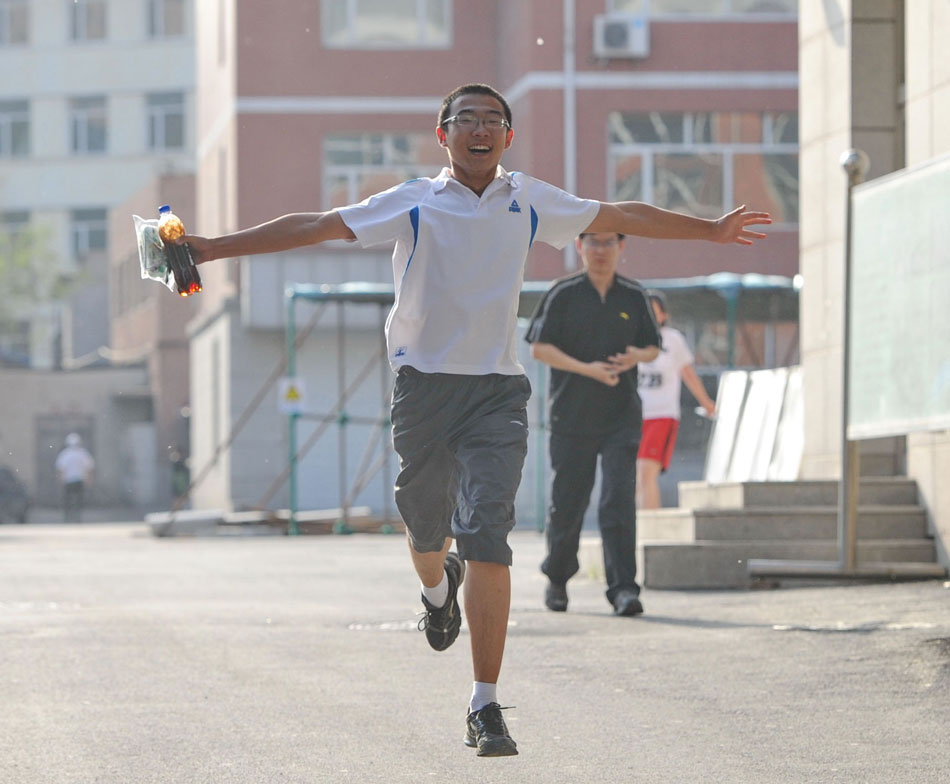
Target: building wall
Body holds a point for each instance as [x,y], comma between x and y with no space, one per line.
[928,136]
[101,404]
[288,85]
[854,58]
[271,94]
[51,180]
[850,76]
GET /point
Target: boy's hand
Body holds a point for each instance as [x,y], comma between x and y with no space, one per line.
[733,226]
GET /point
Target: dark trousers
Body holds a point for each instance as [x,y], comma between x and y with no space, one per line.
[574,463]
[72,502]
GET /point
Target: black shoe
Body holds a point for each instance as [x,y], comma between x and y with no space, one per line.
[627,603]
[442,624]
[555,597]
[485,730]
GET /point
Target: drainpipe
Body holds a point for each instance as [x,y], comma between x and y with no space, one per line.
[570,117]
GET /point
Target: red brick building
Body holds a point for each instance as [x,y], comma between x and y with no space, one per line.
[688,104]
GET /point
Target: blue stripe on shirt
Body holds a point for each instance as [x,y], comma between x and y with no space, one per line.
[414,220]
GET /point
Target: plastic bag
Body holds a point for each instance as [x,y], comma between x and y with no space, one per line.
[153,263]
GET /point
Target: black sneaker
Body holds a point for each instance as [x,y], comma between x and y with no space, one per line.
[485,730]
[627,603]
[555,597]
[442,624]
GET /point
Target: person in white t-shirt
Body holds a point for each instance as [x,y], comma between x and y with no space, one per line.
[659,389]
[459,408]
[74,468]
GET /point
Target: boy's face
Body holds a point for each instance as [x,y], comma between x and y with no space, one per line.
[476,149]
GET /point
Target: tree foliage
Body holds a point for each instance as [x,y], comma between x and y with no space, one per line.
[29,273]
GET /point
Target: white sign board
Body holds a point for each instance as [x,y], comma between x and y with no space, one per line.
[900,290]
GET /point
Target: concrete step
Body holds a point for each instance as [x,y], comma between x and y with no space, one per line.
[734,495]
[790,523]
[725,564]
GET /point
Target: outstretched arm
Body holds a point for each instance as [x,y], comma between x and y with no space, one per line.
[695,385]
[284,233]
[638,219]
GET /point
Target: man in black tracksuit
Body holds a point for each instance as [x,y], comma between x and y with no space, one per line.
[593,328]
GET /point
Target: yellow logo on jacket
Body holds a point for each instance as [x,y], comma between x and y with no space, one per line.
[624,316]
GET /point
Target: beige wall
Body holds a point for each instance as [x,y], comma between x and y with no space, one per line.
[851,70]
[848,98]
[38,405]
[928,135]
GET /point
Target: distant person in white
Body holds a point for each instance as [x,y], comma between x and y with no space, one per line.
[74,467]
[659,389]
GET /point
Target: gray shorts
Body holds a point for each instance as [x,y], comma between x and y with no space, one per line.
[461,442]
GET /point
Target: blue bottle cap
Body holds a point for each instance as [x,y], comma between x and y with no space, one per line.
[164,208]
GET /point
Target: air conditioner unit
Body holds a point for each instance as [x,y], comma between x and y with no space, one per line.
[619,35]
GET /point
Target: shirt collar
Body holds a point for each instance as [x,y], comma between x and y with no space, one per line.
[445,177]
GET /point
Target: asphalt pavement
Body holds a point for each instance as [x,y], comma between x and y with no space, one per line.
[128,658]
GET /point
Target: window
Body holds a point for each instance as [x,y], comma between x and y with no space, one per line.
[88,124]
[14,129]
[14,22]
[705,163]
[166,18]
[359,165]
[88,232]
[15,341]
[386,24]
[166,121]
[87,19]
[704,7]
[13,226]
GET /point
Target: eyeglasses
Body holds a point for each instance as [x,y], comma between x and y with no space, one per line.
[468,120]
[613,242]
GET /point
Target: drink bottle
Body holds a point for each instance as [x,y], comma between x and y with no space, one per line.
[182,265]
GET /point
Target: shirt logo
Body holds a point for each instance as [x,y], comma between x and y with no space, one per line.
[624,316]
[400,352]
[514,206]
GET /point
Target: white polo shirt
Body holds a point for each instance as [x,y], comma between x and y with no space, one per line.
[458,264]
[74,464]
[659,381]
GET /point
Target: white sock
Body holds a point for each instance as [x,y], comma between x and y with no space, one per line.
[482,694]
[437,595]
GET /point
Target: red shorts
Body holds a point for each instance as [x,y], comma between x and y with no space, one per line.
[658,440]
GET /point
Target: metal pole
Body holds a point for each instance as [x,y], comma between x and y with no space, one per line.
[732,307]
[855,163]
[342,526]
[570,114]
[384,445]
[292,418]
[541,458]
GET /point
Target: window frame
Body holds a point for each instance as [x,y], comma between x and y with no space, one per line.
[80,121]
[82,228]
[8,9]
[158,17]
[353,172]
[648,152]
[727,12]
[13,113]
[157,115]
[79,20]
[352,42]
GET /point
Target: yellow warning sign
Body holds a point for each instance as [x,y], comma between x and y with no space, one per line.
[292,397]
